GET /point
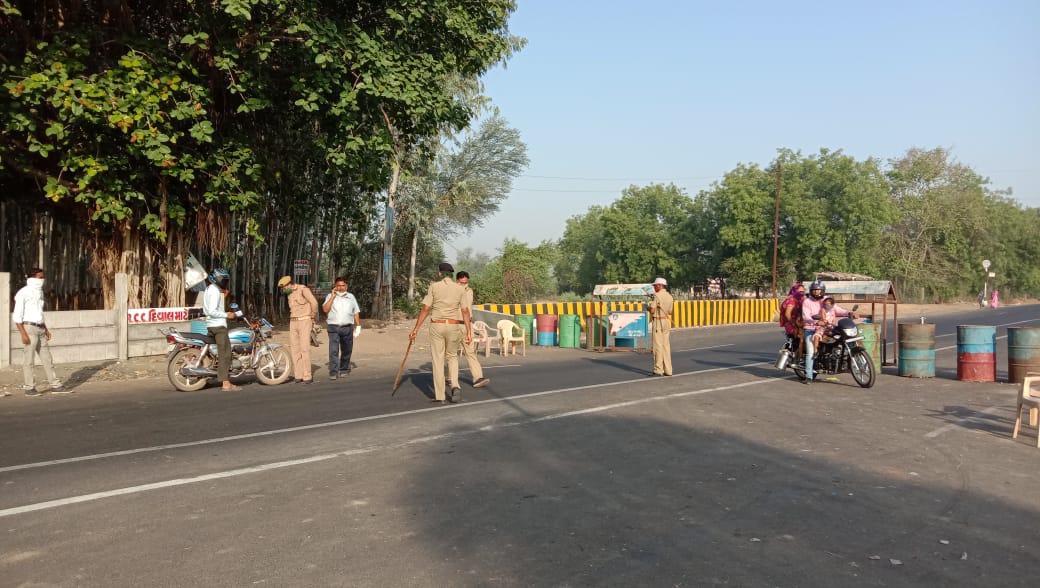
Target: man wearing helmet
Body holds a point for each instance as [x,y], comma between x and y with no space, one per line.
[216,322]
[812,306]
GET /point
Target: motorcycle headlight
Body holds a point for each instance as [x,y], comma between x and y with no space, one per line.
[851,332]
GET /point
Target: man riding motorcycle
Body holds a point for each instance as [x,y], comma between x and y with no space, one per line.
[811,307]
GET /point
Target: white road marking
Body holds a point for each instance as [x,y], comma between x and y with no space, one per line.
[375,417]
[419,440]
[955,347]
[462,369]
[702,348]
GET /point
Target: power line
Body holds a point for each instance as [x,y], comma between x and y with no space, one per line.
[658,179]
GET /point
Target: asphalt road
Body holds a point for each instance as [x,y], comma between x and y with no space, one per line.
[572,469]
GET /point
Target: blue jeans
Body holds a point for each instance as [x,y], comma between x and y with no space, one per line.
[341,345]
[809,351]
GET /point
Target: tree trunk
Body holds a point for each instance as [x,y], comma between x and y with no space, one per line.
[382,306]
[411,265]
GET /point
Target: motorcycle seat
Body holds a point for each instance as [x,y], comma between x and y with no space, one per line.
[204,337]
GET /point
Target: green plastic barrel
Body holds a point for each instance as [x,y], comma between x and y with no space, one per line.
[916,350]
[570,330]
[872,341]
[526,322]
[598,332]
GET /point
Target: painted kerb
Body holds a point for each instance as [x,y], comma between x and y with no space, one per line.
[687,313]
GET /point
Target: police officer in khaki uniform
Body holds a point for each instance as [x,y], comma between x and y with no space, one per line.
[470,349]
[444,304]
[303,312]
[661,314]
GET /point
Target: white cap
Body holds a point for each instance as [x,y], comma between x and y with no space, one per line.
[660,281]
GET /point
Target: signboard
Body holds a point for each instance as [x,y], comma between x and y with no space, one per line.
[157,315]
[302,267]
[628,324]
[622,291]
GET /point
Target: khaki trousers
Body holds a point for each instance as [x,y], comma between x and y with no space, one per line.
[470,351]
[300,346]
[445,340]
[662,346]
[37,344]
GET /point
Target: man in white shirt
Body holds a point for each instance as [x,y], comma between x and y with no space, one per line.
[344,323]
[216,323]
[28,317]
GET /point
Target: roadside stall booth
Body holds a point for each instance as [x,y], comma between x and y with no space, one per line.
[618,317]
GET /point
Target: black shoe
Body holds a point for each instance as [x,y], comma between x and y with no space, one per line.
[455,395]
[807,381]
[653,375]
[305,381]
[481,382]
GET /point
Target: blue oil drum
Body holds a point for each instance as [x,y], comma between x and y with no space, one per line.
[916,350]
[1023,352]
[977,353]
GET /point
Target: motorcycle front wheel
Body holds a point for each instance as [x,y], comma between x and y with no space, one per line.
[275,366]
[188,357]
[862,367]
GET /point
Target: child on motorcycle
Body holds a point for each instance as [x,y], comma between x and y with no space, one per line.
[828,319]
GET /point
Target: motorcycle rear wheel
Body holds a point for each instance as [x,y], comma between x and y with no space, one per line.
[187,357]
[275,366]
[862,367]
[799,369]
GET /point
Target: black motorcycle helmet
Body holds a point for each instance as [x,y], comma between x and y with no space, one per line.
[817,289]
[220,277]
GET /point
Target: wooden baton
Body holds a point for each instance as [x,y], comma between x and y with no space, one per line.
[400,370]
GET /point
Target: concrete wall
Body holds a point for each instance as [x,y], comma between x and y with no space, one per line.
[84,335]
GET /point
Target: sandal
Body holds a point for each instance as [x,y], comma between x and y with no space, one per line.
[231,388]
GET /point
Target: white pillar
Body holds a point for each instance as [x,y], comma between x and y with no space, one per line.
[5,319]
[122,335]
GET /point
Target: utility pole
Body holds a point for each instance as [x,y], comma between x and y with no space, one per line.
[776,223]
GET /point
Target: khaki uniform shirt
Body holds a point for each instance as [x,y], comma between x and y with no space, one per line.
[661,305]
[467,299]
[445,300]
[302,303]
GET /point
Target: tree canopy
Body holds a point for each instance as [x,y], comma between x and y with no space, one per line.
[924,221]
[161,126]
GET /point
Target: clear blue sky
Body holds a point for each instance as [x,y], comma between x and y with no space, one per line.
[608,94]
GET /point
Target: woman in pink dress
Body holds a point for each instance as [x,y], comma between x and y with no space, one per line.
[995,300]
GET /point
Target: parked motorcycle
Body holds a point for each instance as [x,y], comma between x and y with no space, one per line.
[841,351]
[192,357]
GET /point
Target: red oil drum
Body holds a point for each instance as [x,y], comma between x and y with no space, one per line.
[976,353]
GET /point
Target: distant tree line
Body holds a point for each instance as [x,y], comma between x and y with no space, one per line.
[924,221]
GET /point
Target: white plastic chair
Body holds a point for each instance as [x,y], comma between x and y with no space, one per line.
[481,335]
[1028,398]
[508,329]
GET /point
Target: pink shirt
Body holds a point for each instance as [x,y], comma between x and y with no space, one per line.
[811,307]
